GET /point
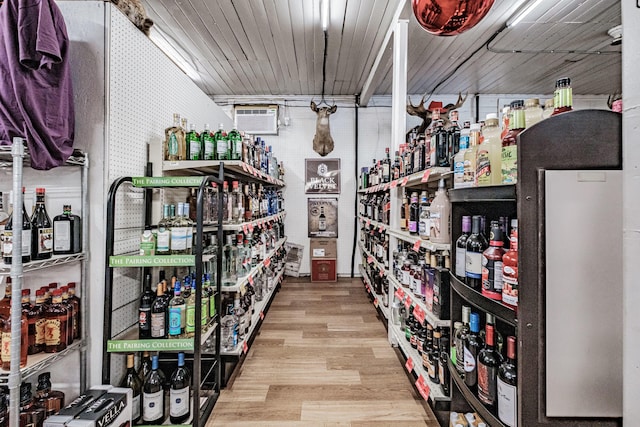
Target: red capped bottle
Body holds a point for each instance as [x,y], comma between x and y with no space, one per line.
[492,264]
[489,361]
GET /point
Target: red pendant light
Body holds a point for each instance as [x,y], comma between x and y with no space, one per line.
[450,17]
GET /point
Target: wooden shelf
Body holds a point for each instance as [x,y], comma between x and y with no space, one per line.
[497,308]
[497,193]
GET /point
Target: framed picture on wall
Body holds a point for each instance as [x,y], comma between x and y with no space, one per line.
[323,217]
[322,176]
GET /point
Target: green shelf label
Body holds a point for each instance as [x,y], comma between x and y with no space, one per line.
[122,346]
[152,261]
[166,181]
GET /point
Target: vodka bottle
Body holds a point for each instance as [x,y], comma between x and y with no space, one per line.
[229,266]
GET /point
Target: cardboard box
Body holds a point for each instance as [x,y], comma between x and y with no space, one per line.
[113,408]
[323,270]
[323,248]
[74,408]
[293,261]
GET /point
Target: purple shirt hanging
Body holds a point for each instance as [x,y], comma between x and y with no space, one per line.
[36,97]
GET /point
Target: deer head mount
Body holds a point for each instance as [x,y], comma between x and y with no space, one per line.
[322,140]
[426,113]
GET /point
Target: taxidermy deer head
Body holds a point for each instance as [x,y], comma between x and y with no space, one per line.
[322,141]
[425,113]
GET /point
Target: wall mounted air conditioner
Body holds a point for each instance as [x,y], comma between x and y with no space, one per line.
[256,119]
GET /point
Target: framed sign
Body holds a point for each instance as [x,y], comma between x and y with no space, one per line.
[322,176]
[323,217]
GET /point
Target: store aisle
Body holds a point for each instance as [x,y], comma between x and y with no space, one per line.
[321,359]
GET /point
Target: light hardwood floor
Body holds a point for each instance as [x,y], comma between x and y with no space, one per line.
[321,359]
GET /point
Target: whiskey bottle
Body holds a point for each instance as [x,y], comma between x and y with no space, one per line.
[51,400]
[5,353]
[144,310]
[67,233]
[75,301]
[55,336]
[41,229]
[67,304]
[35,324]
[31,414]
[5,303]
[7,247]
[132,380]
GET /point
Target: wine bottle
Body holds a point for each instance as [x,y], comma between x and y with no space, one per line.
[507,386]
[414,214]
[41,229]
[153,395]
[7,246]
[476,244]
[461,248]
[472,346]
[159,314]
[145,366]
[180,403]
[443,368]
[461,336]
[492,264]
[131,380]
[488,362]
[144,312]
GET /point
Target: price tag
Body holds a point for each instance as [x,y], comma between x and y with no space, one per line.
[407,302]
[409,364]
[245,348]
[380,229]
[370,260]
[423,387]
[245,228]
[394,184]
[267,262]
[405,180]
[416,245]
[250,280]
[375,303]
[419,314]
[425,175]
[386,187]
[368,223]
[251,227]
[244,167]
[262,315]
[399,294]
[382,272]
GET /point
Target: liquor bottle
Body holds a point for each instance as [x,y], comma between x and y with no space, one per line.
[472,346]
[242,320]
[458,159]
[35,324]
[434,355]
[460,338]
[470,156]
[562,96]
[51,400]
[179,232]
[5,303]
[144,310]
[243,259]
[489,153]
[207,143]
[439,213]
[75,302]
[159,321]
[222,143]
[190,225]
[179,400]
[237,214]
[147,242]
[510,269]
[229,256]
[424,224]
[443,368]
[414,214]
[5,353]
[177,312]
[174,140]
[163,235]
[461,249]
[194,147]
[226,203]
[386,167]
[67,233]
[441,145]
[507,386]
[55,336]
[492,264]
[476,244]
[192,202]
[145,366]
[153,395]
[190,304]
[66,303]
[31,414]
[322,220]
[509,143]
[404,220]
[453,135]
[532,111]
[7,247]
[488,362]
[4,410]
[234,149]
[132,380]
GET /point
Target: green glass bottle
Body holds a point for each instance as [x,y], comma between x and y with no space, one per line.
[194,146]
[208,144]
[222,144]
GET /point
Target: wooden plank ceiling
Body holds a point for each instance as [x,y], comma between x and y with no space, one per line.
[275,47]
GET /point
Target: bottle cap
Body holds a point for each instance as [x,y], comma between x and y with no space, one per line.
[532,102]
[39,191]
[491,116]
[475,127]
[474,322]
[26,292]
[518,103]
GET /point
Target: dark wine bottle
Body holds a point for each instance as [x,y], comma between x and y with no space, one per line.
[179,401]
[131,380]
[145,366]
[144,312]
[507,386]
[159,321]
[460,338]
[476,244]
[41,229]
[434,355]
[461,249]
[8,247]
[153,396]
[414,214]
[443,368]
[488,362]
[472,346]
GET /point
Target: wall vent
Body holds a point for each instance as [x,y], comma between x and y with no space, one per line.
[257,119]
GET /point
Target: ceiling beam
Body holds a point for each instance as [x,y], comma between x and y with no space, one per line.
[373,80]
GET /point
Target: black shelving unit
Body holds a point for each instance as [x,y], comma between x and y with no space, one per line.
[206,368]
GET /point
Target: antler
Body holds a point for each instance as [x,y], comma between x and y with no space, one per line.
[613,97]
[416,110]
[460,101]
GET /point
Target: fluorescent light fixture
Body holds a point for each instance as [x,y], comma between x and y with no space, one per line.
[160,40]
[522,14]
[324,14]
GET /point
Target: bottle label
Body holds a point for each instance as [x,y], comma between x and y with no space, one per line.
[143,318]
[179,238]
[173,145]
[222,149]
[189,238]
[6,346]
[385,172]
[424,227]
[135,414]
[413,226]
[487,383]
[175,318]
[147,248]
[507,403]
[406,278]
[52,332]
[469,171]
[179,405]
[458,173]
[435,223]
[153,406]
[509,164]
[510,285]
[461,260]
[40,330]
[491,275]
[483,168]
[7,245]
[208,149]
[473,265]
[45,240]
[190,327]
[62,236]
[26,242]
[194,150]
[157,325]
[459,354]
[469,361]
[322,225]
[416,284]
[162,241]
